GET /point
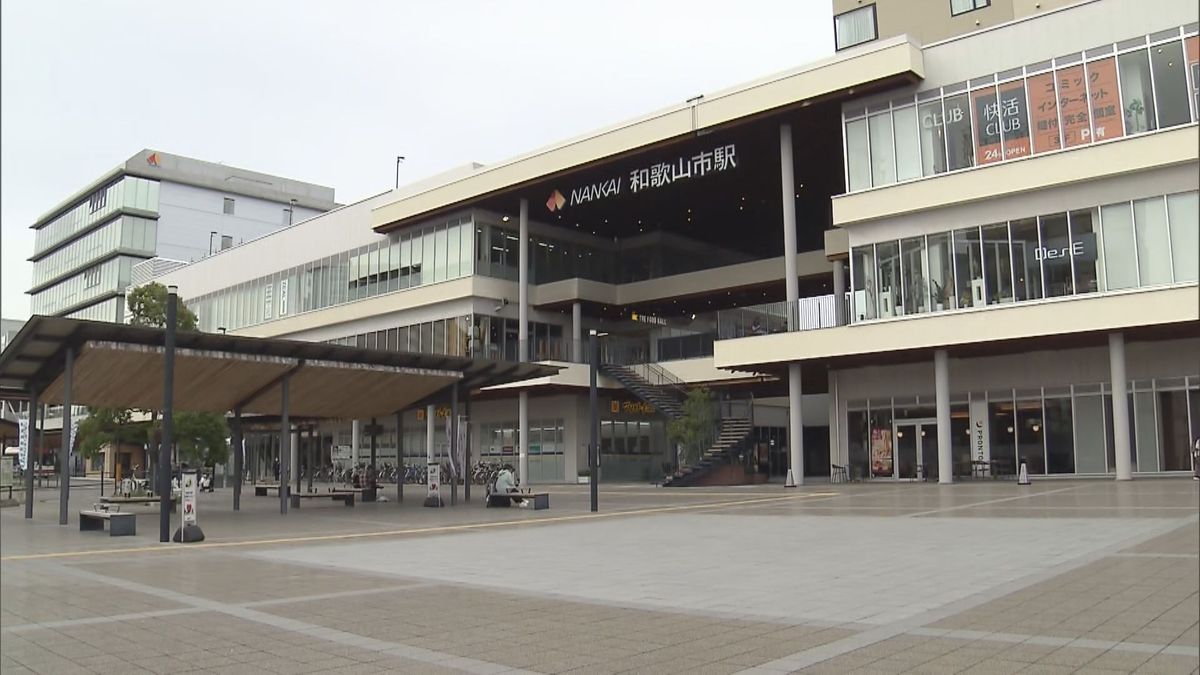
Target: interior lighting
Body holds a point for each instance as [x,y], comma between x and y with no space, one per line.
[505,219]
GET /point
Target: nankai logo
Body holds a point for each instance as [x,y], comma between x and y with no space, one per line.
[152,160]
[585,194]
[556,201]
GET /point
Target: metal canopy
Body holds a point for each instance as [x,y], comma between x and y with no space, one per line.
[122,366]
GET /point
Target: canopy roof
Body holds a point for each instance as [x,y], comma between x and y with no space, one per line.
[122,366]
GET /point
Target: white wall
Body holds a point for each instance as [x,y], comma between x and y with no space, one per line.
[188,214]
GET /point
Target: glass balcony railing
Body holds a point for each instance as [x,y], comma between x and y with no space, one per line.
[780,317]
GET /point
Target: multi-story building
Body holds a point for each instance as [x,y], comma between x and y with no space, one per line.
[153,205]
[8,329]
[966,240]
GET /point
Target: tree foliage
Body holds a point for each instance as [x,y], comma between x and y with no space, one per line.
[148,307]
[694,429]
[108,426]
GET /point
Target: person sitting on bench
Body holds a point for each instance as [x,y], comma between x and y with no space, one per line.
[505,484]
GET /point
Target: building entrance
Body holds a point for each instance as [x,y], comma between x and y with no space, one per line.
[916,449]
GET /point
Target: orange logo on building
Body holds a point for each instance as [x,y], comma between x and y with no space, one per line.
[152,160]
[556,201]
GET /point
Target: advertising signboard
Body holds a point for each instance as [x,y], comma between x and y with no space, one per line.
[187,505]
[23,432]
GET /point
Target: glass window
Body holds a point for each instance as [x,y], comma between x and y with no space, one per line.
[882,451]
[427,346]
[854,27]
[1145,428]
[1060,436]
[1027,261]
[452,251]
[1083,251]
[1183,212]
[960,147]
[968,268]
[439,337]
[1073,106]
[941,271]
[1054,251]
[1014,119]
[933,141]
[888,254]
[963,6]
[863,283]
[228,208]
[1136,91]
[1173,423]
[439,254]
[1170,84]
[1089,432]
[1043,112]
[908,143]
[987,125]
[1002,433]
[1107,120]
[1031,444]
[1153,245]
[857,155]
[916,272]
[883,157]
[1120,253]
[997,262]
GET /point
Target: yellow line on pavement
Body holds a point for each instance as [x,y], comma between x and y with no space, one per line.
[420,530]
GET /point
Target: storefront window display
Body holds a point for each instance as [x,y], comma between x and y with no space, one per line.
[1101,94]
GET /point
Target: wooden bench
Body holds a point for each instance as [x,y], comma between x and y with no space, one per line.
[119,524]
[147,501]
[541,500]
[344,496]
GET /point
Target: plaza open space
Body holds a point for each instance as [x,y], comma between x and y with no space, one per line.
[984,577]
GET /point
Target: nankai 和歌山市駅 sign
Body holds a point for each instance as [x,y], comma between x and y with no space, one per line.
[659,174]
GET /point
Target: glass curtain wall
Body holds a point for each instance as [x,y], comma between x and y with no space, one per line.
[1141,243]
[1108,92]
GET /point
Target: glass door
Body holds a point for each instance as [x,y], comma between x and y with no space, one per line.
[907,450]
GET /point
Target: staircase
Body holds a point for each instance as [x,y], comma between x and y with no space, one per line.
[732,434]
[666,396]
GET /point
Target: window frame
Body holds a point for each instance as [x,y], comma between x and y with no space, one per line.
[975,6]
[874,26]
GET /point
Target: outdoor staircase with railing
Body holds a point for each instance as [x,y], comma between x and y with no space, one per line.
[731,437]
[652,384]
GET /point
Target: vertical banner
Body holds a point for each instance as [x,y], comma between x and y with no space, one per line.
[980,449]
[283,297]
[434,482]
[1108,122]
[1014,119]
[23,434]
[1043,111]
[187,498]
[881,452]
[987,125]
[1073,104]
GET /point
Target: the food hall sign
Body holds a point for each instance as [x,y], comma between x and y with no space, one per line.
[657,175]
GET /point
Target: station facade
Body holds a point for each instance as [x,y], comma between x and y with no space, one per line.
[952,246]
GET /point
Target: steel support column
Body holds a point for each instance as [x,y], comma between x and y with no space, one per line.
[64,454]
[285,444]
[238,460]
[164,448]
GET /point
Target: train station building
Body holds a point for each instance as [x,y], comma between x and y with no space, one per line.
[967,238]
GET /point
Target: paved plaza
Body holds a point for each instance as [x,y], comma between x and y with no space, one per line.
[985,577]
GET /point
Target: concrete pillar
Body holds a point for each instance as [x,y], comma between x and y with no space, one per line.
[788,195]
[64,454]
[795,424]
[577,332]
[523,433]
[355,440]
[1120,405]
[294,457]
[839,292]
[941,377]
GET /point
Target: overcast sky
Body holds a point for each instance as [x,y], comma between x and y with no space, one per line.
[331,92]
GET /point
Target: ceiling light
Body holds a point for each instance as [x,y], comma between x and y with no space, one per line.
[505,219]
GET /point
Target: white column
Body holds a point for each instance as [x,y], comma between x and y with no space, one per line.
[523,344]
[795,424]
[788,194]
[577,332]
[1120,405]
[941,377]
[839,292]
[355,440]
[430,416]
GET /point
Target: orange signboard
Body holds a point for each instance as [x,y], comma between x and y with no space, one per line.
[1043,112]
[1073,106]
[1106,99]
[1014,116]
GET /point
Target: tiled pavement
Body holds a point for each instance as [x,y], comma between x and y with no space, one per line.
[977,578]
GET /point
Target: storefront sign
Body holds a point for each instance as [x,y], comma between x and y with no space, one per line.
[980,448]
[1082,247]
[1073,106]
[188,497]
[283,297]
[268,298]
[718,159]
[1107,121]
[630,407]
[23,434]
[434,482]
[1043,112]
[441,412]
[1014,119]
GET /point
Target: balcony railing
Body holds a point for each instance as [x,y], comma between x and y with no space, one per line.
[780,317]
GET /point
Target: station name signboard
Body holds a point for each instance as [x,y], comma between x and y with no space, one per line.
[659,174]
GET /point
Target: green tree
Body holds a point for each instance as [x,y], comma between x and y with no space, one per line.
[148,307]
[694,429]
[108,426]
